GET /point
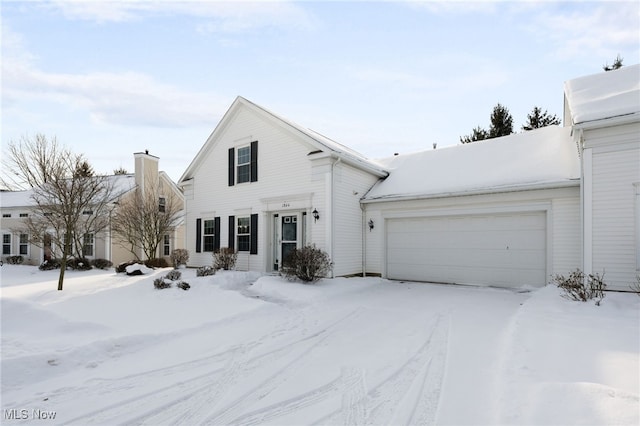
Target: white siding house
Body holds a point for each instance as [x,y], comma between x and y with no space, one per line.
[17,205]
[510,211]
[604,111]
[258,184]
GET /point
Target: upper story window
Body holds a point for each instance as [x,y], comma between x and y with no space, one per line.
[24,214]
[243,164]
[87,212]
[6,214]
[162,204]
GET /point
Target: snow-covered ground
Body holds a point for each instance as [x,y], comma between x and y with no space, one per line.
[240,348]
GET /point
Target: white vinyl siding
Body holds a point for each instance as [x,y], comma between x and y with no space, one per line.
[285,175]
[616,167]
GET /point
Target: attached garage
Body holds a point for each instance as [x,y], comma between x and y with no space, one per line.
[507,250]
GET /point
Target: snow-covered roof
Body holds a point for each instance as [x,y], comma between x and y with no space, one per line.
[539,158]
[121,185]
[320,141]
[604,95]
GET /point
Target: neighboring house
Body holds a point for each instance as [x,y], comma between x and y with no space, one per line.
[509,211]
[263,186]
[17,205]
[604,112]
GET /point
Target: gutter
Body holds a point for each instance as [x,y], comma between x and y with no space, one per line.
[516,188]
[608,121]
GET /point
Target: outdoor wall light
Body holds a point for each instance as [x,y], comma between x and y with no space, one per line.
[370,225]
[316,215]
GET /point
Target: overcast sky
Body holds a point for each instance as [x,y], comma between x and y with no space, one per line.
[112,78]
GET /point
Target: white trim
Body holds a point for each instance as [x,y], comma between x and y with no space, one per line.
[637,194]
[587,210]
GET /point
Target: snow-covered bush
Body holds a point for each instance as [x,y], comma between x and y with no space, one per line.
[308,263]
[158,262]
[122,267]
[173,275]
[137,269]
[160,283]
[50,264]
[574,287]
[179,257]
[225,258]
[183,285]
[204,271]
[101,263]
[15,260]
[79,264]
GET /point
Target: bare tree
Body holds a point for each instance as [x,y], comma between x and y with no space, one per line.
[64,189]
[143,218]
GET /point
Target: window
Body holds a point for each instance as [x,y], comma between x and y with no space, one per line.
[244,234]
[24,214]
[24,244]
[87,245]
[208,235]
[6,214]
[162,204]
[6,243]
[87,212]
[244,164]
[166,251]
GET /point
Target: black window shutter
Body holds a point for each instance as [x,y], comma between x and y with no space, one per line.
[253,245]
[198,235]
[216,233]
[232,232]
[232,165]
[254,161]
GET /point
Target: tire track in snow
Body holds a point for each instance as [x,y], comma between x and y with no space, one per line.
[231,413]
[381,402]
[161,404]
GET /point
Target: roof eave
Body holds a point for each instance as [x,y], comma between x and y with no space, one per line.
[567,183]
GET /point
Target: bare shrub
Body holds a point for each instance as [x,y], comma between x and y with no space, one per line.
[15,260]
[161,283]
[574,287]
[205,271]
[174,275]
[156,262]
[308,263]
[225,258]
[179,257]
[635,287]
[183,285]
[101,263]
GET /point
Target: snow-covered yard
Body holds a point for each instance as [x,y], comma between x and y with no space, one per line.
[240,348]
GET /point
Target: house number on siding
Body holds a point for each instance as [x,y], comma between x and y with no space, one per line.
[286,205]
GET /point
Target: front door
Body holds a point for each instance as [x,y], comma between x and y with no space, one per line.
[288,235]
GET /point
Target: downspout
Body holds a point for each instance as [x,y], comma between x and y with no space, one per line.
[333,210]
[364,244]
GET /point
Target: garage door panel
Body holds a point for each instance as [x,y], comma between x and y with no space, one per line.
[499,249]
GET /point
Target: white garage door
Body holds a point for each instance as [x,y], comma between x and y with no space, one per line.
[506,250]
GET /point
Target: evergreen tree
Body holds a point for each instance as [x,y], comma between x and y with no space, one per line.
[477,134]
[501,122]
[120,171]
[537,119]
[617,63]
